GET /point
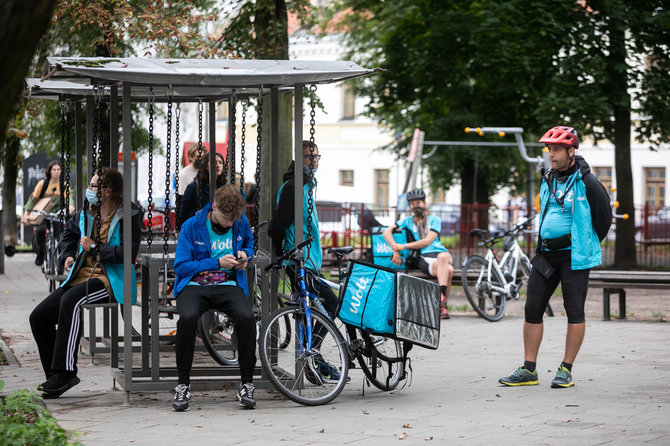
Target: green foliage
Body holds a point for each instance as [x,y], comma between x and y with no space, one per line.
[25,421]
[451,64]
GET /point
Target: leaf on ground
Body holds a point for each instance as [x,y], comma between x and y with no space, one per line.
[365,411]
[403,436]
[428,438]
[407,426]
[322,430]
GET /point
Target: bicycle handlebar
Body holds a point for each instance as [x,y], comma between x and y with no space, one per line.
[290,254]
[518,227]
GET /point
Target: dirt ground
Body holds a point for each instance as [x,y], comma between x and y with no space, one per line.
[643,305]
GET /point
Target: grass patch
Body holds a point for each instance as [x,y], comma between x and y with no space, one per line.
[3,358]
[24,420]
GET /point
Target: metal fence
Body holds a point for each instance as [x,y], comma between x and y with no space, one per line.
[353,224]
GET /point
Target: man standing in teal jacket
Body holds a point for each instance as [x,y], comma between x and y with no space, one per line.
[575,216]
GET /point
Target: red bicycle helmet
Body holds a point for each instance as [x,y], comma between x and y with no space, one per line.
[565,136]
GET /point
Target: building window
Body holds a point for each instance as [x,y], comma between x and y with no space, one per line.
[655,186]
[347,178]
[221,111]
[348,105]
[604,174]
[382,188]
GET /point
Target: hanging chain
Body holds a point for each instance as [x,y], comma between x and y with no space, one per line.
[66,166]
[61,183]
[168,154]
[310,193]
[176,159]
[97,163]
[243,142]
[198,176]
[150,202]
[230,159]
[257,177]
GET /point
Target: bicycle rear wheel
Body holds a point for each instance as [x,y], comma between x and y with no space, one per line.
[380,358]
[290,369]
[484,294]
[217,332]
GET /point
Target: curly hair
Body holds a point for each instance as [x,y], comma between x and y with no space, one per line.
[229,201]
[112,179]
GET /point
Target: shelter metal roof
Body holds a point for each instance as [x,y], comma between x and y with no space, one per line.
[231,73]
[75,91]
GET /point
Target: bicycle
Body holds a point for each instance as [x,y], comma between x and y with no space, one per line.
[315,339]
[489,282]
[51,252]
[217,330]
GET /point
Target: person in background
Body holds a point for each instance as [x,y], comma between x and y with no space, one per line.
[434,259]
[49,187]
[200,188]
[187,174]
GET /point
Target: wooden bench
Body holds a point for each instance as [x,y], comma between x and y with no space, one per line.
[616,282]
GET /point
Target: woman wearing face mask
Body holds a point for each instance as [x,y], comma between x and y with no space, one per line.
[93,260]
[213,249]
[200,187]
[50,187]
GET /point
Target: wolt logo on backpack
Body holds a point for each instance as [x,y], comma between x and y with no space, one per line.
[358,295]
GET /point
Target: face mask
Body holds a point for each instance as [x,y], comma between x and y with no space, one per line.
[314,171]
[91,197]
[218,229]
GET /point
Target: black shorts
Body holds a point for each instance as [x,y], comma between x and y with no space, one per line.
[574,284]
[424,265]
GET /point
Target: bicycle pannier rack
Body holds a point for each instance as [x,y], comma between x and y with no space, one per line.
[392,304]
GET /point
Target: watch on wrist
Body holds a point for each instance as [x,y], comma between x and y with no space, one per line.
[93,246]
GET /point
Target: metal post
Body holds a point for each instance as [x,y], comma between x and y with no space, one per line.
[90,106]
[128,263]
[297,140]
[212,149]
[114,127]
[79,196]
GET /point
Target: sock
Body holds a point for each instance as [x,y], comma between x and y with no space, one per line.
[443,290]
[530,366]
[567,366]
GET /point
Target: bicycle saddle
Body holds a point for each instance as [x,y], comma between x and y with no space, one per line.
[478,233]
[341,251]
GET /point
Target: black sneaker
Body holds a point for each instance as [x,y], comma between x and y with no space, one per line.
[39,259]
[328,372]
[246,395]
[58,384]
[182,395]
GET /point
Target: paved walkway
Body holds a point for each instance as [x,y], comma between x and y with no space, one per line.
[622,392]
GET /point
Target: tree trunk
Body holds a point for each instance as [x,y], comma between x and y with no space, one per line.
[10,164]
[22,24]
[624,252]
[271,27]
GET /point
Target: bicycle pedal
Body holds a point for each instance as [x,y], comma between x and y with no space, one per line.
[356,345]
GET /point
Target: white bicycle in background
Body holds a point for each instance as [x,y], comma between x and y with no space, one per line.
[489,282]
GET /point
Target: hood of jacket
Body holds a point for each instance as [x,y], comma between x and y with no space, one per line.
[290,173]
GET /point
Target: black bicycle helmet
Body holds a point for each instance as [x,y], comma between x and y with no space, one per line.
[416,194]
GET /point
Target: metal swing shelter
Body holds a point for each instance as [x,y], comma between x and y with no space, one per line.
[124,81]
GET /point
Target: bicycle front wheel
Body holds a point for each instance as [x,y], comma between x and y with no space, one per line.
[293,369]
[483,291]
[380,358]
[217,332]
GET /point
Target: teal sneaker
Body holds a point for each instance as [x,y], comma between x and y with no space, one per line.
[521,377]
[563,379]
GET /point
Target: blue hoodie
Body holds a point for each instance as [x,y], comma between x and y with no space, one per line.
[193,254]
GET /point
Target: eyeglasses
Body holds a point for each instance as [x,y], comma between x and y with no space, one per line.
[313,157]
